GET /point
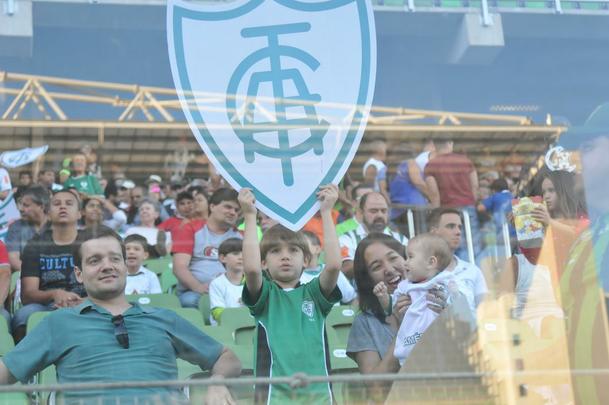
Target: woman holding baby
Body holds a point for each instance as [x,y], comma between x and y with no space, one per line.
[380,258]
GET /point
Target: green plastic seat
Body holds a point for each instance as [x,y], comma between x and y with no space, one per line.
[159,265]
[338,325]
[14,398]
[240,323]
[219,333]
[245,353]
[35,319]
[168,281]
[46,377]
[6,340]
[168,301]
[191,315]
[340,320]
[205,308]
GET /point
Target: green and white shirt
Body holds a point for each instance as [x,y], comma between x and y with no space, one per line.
[348,241]
[291,338]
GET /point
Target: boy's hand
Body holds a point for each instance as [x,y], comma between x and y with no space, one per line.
[327,196]
[247,201]
[380,290]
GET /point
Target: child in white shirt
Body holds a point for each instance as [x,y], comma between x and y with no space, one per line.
[140,280]
[313,269]
[427,256]
[225,290]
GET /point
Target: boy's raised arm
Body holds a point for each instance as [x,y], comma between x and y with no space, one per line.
[327,196]
[251,249]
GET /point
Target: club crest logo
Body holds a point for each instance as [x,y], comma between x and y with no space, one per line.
[307,308]
[276,92]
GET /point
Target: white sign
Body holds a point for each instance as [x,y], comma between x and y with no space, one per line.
[276,92]
[16,158]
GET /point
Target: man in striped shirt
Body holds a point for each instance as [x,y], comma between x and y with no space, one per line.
[374,212]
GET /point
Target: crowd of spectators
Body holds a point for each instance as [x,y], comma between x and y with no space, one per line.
[367,260]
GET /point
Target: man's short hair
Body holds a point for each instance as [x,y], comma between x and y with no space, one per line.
[280,234]
[135,238]
[499,185]
[434,217]
[231,245]
[69,190]
[436,246]
[312,237]
[355,189]
[444,137]
[223,194]
[94,232]
[364,199]
[39,195]
[43,171]
[184,195]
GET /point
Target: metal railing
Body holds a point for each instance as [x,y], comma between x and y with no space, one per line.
[486,6]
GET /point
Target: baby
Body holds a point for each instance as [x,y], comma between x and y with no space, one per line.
[427,257]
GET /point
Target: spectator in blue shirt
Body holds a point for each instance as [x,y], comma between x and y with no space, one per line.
[499,205]
[108,339]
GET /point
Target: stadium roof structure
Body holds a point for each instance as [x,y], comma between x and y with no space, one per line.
[143,130]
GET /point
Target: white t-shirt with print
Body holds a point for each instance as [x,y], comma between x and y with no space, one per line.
[224,294]
[143,282]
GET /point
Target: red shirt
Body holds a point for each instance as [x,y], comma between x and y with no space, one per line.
[183,237]
[451,172]
[3,254]
[315,225]
[170,224]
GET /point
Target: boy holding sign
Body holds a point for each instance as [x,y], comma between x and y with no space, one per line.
[290,316]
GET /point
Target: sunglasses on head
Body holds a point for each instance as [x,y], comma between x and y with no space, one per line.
[120,331]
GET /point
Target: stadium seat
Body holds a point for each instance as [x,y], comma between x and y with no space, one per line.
[46,377]
[168,301]
[338,325]
[6,340]
[240,323]
[35,319]
[191,315]
[245,353]
[340,320]
[13,398]
[244,394]
[168,281]
[159,265]
[205,308]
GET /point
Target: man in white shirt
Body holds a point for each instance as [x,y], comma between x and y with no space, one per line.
[374,212]
[375,163]
[5,184]
[447,223]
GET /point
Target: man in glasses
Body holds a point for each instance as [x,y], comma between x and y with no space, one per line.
[108,339]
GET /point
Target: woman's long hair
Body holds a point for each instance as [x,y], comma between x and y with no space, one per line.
[570,205]
[365,284]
